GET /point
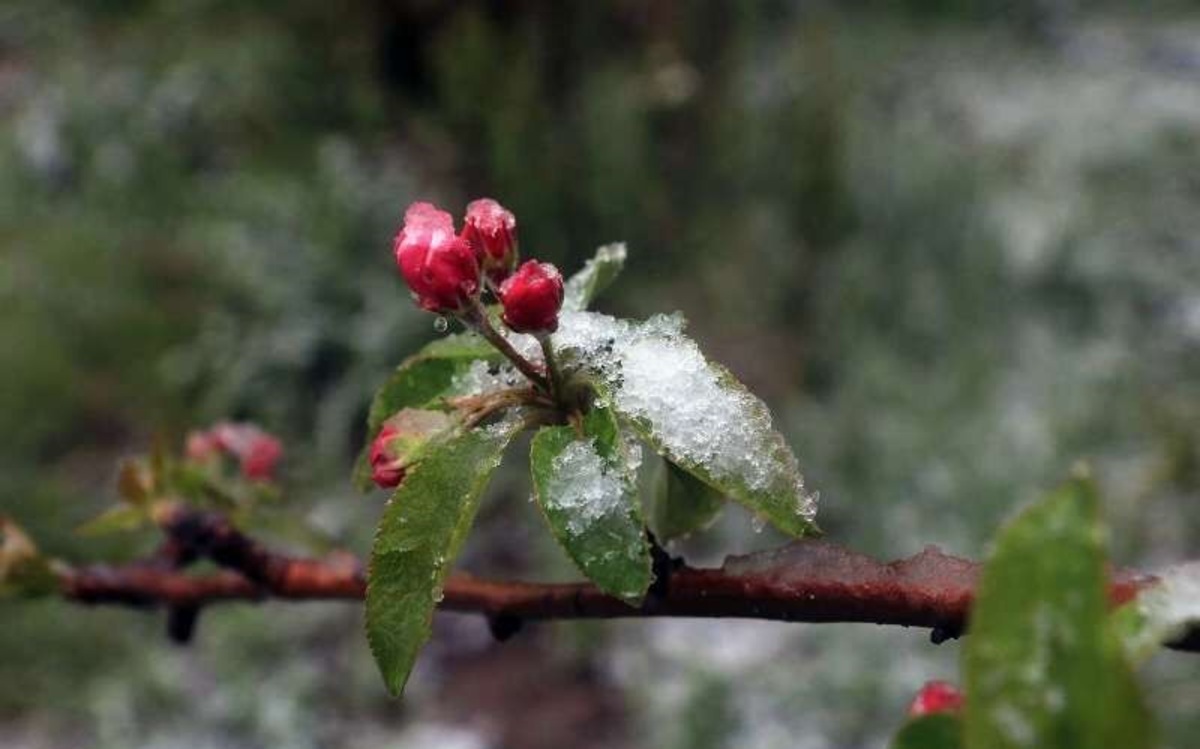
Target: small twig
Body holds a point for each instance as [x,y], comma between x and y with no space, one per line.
[477,316]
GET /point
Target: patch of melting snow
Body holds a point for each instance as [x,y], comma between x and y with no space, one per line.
[656,375]
[484,377]
[583,486]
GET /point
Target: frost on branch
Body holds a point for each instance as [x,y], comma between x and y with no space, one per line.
[690,410]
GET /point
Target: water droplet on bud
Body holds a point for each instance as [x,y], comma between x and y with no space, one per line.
[441,324]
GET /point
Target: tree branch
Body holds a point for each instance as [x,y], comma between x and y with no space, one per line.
[808,581]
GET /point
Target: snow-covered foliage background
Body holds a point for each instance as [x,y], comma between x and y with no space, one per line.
[954,246]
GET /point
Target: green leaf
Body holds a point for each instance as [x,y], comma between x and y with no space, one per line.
[681,504]
[595,276]
[691,411]
[116,519]
[586,488]
[1042,666]
[937,731]
[422,529]
[421,381]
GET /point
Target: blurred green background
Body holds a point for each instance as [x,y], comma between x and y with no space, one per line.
[955,244]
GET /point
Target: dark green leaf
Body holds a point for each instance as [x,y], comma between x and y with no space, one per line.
[681,504]
[423,528]
[586,488]
[596,276]
[938,731]
[1043,668]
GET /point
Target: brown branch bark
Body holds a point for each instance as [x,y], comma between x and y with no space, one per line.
[809,581]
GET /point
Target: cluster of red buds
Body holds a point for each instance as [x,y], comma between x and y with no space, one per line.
[936,697]
[256,452]
[448,272]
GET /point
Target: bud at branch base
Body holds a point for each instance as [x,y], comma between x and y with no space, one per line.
[532,298]
[402,441]
[492,231]
[439,267]
[936,697]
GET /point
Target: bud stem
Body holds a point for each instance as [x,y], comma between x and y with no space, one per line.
[476,314]
[552,372]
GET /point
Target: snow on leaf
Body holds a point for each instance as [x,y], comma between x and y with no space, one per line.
[585,485]
[690,410]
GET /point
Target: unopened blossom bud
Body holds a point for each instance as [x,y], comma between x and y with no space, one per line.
[387,471]
[201,446]
[402,441]
[261,458]
[257,452]
[439,267]
[936,697]
[532,298]
[492,231]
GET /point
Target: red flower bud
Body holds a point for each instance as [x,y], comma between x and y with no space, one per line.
[492,231]
[936,697]
[260,459]
[402,442]
[201,447]
[532,298]
[257,452]
[438,266]
[386,471]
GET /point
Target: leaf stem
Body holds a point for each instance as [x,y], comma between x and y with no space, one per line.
[477,316]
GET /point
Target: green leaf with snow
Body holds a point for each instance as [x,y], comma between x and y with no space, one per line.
[421,532]
[586,487]
[691,411]
[937,731]
[681,504]
[1042,665]
[421,381]
[595,276]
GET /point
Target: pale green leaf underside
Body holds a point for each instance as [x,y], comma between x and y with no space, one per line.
[938,731]
[691,411]
[589,499]
[421,381]
[422,529]
[595,276]
[681,504]
[1042,666]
